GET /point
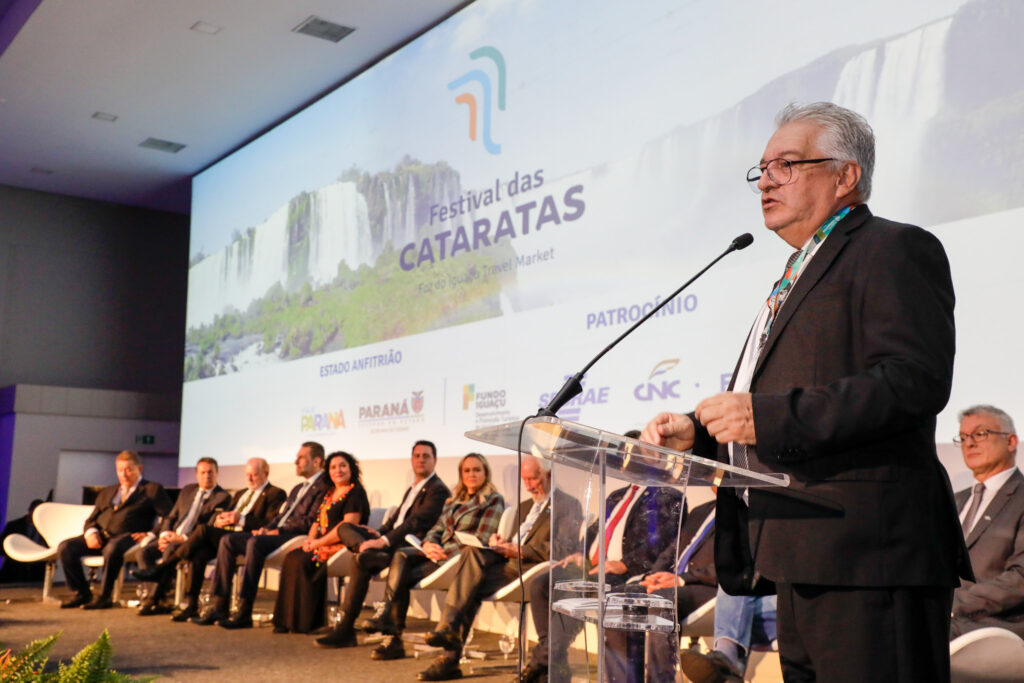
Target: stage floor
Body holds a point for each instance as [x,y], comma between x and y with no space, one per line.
[185,652]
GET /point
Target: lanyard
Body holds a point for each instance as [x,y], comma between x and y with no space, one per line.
[778,295]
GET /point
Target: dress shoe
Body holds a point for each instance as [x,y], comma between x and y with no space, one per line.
[241,620]
[190,610]
[211,617]
[337,639]
[381,624]
[148,609]
[446,638]
[154,573]
[280,629]
[713,667]
[77,600]
[444,668]
[391,648]
[532,673]
[101,602]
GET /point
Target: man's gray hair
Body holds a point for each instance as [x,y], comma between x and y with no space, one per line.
[1005,421]
[543,463]
[846,136]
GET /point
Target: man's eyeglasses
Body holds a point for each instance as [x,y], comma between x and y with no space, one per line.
[978,436]
[780,171]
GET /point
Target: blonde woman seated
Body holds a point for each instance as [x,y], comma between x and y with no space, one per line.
[475,507]
[300,595]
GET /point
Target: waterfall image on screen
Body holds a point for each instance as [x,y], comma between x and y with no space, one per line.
[435,245]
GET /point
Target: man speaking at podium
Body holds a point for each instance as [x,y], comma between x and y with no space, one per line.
[838,385]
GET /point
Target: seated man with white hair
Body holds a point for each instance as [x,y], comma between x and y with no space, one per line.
[992,517]
[482,571]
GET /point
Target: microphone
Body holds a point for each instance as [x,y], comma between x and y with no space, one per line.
[573,386]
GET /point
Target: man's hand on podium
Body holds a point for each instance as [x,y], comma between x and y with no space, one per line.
[671,430]
[729,417]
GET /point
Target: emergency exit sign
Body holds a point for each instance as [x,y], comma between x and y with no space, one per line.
[144,439]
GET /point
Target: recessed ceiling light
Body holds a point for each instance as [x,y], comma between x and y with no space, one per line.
[162,145]
[41,171]
[209,29]
[321,28]
[104,116]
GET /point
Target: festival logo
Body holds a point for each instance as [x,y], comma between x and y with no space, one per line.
[483,109]
[316,421]
[661,389]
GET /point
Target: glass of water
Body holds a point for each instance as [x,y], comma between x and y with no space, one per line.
[506,644]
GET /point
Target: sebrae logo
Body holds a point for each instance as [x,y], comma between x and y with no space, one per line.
[313,421]
[651,390]
[468,99]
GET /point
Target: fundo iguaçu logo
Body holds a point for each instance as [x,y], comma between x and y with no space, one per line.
[484,108]
[491,399]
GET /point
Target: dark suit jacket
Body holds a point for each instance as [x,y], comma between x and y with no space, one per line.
[422,515]
[996,545]
[138,513]
[845,394]
[651,526]
[218,498]
[267,505]
[701,567]
[304,514]
[536,546]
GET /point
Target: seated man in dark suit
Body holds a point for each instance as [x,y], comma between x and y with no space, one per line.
[421,506]
[481,571]
[642,522]
[123,514]
[251,508]
[684,574]
[992,516]
[195,505]
[295,518]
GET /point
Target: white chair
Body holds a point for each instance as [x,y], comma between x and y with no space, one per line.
[700,623]
[441,578]
[55,522]
[343,562]
[987,655]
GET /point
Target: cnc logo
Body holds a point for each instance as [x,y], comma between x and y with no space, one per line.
[316,421]
[484,109]
[662,389]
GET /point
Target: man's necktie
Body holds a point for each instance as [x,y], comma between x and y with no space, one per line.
[531,519]
[189,522]
[972,512]
[243,502]
[610,527]
[291,508]
[691,549]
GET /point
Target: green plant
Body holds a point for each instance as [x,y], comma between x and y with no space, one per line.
[90,665]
